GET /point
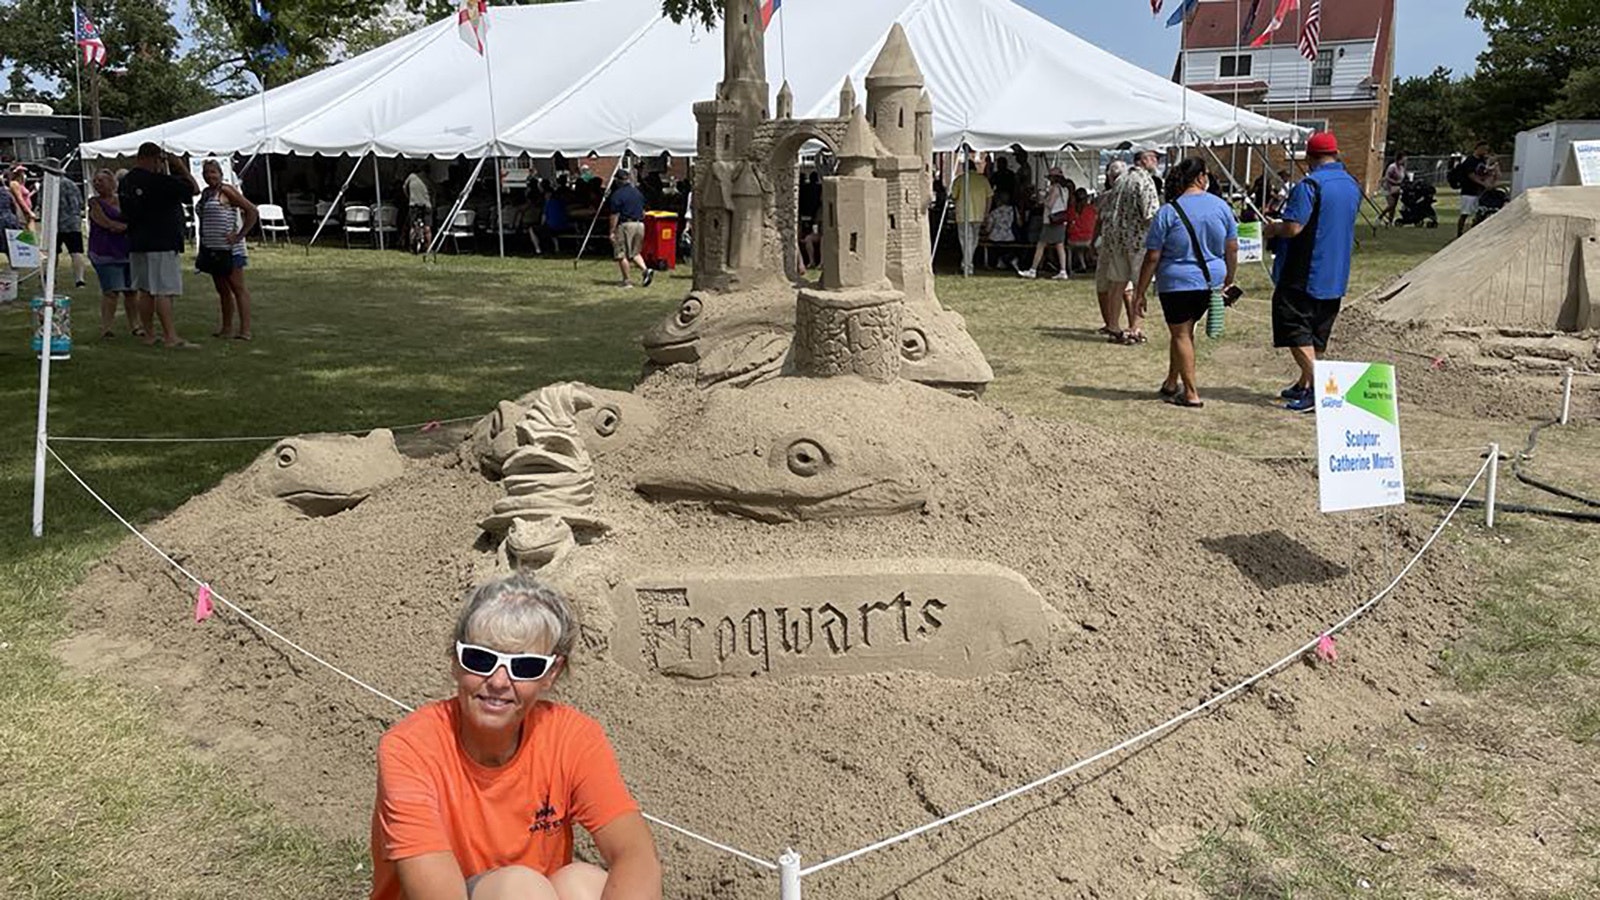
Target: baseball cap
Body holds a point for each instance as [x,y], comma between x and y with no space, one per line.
[1322,143]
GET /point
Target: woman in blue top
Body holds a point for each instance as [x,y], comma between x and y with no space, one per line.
[1186,275]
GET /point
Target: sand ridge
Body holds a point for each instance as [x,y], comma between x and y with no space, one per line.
[1171,572]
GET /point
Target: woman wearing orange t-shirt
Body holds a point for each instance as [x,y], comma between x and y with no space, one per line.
[477,794]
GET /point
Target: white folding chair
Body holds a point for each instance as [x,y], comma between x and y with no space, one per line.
[461,227]
[358,220]
[272,221]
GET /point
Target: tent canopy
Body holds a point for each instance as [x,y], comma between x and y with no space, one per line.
[614,75]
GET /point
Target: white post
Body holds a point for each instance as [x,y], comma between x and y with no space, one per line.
[377,192]
[1566,397]
[1494,485]
[789,875]
[52,205]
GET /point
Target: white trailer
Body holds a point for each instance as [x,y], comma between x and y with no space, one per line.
[1540,152]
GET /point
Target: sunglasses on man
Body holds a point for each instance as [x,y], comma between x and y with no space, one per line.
[520,666]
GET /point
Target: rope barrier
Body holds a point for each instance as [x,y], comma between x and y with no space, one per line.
[1175,720]
[404,707]
[249,438]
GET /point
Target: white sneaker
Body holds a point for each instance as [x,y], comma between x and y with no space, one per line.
[1027,273]
[1061,276]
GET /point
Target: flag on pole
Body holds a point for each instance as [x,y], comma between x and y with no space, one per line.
[88,39]
[1155,7]
[472,23]
[1249,20]
[1278,17]
[261,11]
[1311,31]
[1183,10]
[769,8]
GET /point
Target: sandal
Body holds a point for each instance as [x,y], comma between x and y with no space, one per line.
[1116,337]
[1135,337]
[1168,393]
[1180,400]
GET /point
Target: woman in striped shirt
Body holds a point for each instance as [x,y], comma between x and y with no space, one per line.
[222,250]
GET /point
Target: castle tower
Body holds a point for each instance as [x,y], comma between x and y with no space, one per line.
[925,132]
[847,99]
[744,58]
[785,102]
[894,89]
[854,209]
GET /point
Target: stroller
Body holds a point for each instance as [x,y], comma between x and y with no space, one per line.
[1490,202]
[1416,204]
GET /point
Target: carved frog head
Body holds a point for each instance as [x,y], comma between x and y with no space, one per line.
[323,474]
[793,449]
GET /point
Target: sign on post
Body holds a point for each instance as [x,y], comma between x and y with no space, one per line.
[1250,243]
[1358,436]
[22,247]
[1582,165]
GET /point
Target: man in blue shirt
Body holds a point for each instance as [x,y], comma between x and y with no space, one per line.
[1311,261]
[627,228]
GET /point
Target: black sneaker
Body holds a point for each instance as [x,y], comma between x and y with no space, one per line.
[649,276]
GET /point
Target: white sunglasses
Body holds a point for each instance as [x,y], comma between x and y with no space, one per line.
[520,666]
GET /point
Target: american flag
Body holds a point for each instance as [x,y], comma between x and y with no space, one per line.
[1311,31]
[768,9]
[88,38]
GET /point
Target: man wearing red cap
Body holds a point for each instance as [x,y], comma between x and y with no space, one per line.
[1311,261]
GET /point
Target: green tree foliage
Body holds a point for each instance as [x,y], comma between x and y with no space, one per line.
[145,80]
[1543,62]
[1425,114]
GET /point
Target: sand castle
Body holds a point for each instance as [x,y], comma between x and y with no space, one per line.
[739,325]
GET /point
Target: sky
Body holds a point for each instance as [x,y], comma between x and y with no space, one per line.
[1431,32]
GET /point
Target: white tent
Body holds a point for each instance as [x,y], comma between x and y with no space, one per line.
[614,75]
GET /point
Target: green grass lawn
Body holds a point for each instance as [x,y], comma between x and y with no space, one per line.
[97,799]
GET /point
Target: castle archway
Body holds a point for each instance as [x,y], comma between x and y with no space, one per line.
[790,139]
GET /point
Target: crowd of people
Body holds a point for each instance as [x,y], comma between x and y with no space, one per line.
[136,232]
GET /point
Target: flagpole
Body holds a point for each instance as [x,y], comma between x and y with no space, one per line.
[266,130]
[783,48]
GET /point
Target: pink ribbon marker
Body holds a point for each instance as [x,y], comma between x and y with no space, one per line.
[1325,649]
[202,603]
[1439,363]
[431,426]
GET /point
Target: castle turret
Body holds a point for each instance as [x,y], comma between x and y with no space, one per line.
[894,89]
[847,99]
[925,130]
[854,209]
[744,54]
[785,102]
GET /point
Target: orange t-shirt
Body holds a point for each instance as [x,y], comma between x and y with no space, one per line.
[433,797]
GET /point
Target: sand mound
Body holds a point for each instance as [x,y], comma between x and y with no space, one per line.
[1535,264]
[1170,573]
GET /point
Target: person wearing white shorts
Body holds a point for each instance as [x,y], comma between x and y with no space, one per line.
[157,273]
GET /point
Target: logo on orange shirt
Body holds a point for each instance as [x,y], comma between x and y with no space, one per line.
[547,819]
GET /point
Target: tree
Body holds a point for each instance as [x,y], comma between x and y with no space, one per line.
[145,81]
[1425,114]
[1538,56]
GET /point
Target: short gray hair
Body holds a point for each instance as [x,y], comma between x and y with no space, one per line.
[1116,169]
[517,611]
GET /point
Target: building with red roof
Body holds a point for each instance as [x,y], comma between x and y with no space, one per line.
[1345,90]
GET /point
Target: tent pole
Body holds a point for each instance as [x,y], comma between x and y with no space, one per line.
[461,201]
[604,196]
[499,212]
[335,205]
[377,193]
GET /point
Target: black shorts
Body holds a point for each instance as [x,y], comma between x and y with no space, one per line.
[1301,320]
[1182,307]
[72,241]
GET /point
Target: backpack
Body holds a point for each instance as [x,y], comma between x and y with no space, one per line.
[1460,172]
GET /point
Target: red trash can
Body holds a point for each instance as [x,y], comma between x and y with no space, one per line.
[661,240]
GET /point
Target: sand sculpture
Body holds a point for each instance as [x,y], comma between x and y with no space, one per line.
[738,325]
[324,474]
[1533,265]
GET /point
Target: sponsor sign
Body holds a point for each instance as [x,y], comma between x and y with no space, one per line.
[1358,436]
[23,249]
[1582,166]
[1251,248]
